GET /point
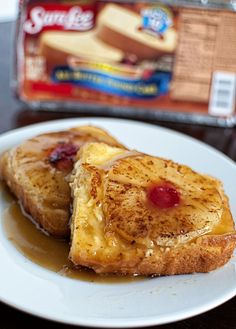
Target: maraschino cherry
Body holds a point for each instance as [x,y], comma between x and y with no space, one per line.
[62,156]
[163,196]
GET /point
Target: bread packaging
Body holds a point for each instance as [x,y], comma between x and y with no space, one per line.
[149,59]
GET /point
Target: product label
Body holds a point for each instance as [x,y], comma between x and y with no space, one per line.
[136,54]
[76,18]
[137,87]
[157,19]
[223,93]
[206,44]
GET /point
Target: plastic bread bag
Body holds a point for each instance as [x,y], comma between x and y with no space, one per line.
[168,60]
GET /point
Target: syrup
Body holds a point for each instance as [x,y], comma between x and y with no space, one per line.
[44,250]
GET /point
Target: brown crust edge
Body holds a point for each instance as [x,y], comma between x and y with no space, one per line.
[58,57]
[27,200]
[207,253]
[128,44]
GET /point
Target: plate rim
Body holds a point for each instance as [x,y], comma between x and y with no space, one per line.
[121,120]
[109,322]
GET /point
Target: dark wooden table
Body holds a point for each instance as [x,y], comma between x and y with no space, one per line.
[13,115]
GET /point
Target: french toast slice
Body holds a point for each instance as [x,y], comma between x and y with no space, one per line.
[138,214]
[36,172]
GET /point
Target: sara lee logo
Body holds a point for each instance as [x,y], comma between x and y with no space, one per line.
[157,19]
[73,19]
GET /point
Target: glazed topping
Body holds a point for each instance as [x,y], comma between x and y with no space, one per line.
[62,156]
[163,196]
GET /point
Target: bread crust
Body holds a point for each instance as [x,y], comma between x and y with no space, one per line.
[207,253]
[127,44]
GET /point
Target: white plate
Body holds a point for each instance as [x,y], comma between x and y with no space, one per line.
[36,290]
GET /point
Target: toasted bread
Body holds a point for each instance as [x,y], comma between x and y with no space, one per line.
[36,171]
[138,214]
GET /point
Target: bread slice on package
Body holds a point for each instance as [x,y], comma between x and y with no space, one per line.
[36,172]
[121,28]
[57,46]
[138,214]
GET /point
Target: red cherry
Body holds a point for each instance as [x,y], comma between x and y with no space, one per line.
[62,156]
[163,196]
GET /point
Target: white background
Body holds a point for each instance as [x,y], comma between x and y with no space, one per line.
[8,10]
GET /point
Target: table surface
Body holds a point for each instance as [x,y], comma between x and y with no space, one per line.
[14,115]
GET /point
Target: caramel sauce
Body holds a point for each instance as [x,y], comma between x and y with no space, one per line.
[225,225]
[45,250]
